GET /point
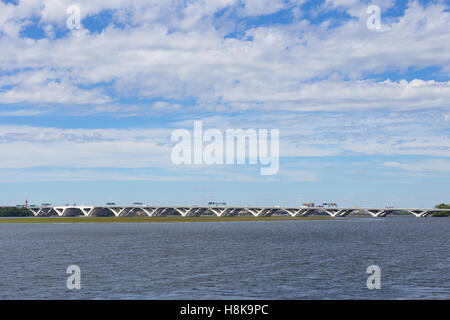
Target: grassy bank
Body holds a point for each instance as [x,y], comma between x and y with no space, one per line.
[149,219]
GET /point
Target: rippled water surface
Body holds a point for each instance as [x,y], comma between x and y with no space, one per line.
[228,260]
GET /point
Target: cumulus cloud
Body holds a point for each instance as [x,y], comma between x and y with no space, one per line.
[320,84]
[281,64]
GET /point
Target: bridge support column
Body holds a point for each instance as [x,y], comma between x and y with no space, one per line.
[190,212]
[225,212]
[420,213]
[116,210]
[302,212]
[333,212]
[376,213]
[426,213]
[40,211]
[345,212]
[34,211]
[86,210]
[337,212]
[60,210]
[262,212]
[160,212]
[294,212]
[148,211]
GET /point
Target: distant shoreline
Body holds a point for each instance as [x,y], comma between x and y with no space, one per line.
[151,219]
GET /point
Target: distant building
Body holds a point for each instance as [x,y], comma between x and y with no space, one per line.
[308,204]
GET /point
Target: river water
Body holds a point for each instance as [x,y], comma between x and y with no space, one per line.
[228,260]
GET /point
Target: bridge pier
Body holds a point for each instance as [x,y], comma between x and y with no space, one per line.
[116,210]
[86,210]
[60,210]
[225,212]
[330,212]
[41,211]
[345,212]
[159,212]
[338,212]
[70,211]
[295,212]
[190,212]
[375,212]
[131,211]
[420,213]
[262,212]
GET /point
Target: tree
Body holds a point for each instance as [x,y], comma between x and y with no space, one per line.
[442,214]
[14,212]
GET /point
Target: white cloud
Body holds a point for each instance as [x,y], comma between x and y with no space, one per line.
[152,59]
[22,113]
[164,106]
[261,7]
[435,165]
[301,135]
[47,86]
[177,51]
[346,95]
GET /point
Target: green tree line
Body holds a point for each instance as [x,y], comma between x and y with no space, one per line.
[442,214]
[14,212]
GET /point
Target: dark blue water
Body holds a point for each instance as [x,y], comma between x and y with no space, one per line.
[228,260]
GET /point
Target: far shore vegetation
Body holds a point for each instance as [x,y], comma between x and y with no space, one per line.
[15,212]
[442,214]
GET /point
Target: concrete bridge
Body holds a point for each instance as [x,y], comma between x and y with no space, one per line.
[225,211]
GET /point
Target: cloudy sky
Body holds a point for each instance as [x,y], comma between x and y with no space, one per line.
[86,114]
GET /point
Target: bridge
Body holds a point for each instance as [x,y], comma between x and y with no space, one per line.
[221,211]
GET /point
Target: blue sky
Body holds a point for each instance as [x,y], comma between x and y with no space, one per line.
[86,115]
